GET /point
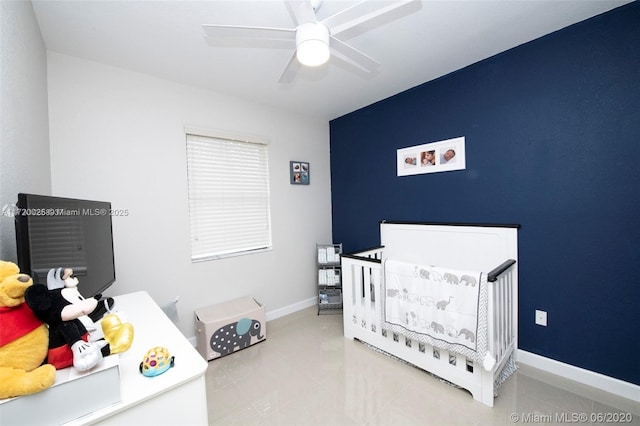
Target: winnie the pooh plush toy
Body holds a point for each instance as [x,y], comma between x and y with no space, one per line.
[24,339]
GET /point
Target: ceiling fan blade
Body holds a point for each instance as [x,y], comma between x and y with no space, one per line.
[290,70]
[353,56]
[361,12]
[235,31]
[301,11]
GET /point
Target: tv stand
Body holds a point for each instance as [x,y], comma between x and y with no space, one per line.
[177,396]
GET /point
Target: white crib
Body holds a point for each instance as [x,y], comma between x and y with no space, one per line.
[487,248]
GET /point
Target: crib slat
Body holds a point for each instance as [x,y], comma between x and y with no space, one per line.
[492,319]
[357,294]
[502,339]
[510,307]
[366,300]
[376,280]
[500,319]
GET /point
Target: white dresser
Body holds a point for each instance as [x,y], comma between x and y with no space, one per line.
[114,392]
[177,396]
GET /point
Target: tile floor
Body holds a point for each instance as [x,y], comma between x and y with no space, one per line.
[307,373]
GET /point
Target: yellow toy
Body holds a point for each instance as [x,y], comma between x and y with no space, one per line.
[24,340]
[118,334]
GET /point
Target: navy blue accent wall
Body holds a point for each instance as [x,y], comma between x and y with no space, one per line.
[552,133]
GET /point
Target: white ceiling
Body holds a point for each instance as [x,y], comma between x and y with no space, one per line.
[422,42]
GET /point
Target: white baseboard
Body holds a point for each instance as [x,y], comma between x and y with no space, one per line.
[580,375]
[271,315]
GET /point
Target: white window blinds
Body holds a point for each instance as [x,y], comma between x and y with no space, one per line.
[228,197]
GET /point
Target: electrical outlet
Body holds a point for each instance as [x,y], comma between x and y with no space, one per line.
[541,318]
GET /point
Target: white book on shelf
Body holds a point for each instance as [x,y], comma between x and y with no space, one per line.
[322,255]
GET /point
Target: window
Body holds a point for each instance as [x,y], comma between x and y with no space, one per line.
[229,204]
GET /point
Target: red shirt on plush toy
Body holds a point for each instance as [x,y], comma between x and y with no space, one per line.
[23,338]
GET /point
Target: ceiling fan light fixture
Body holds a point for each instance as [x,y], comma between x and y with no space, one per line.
[313,53]
[312,44]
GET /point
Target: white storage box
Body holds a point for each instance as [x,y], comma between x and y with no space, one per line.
[230,326]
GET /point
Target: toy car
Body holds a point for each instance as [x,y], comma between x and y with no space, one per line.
[156,361]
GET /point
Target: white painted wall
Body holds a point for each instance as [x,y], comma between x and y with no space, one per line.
[118,136]
[24,127]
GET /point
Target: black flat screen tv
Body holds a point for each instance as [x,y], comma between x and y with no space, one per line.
[55,232]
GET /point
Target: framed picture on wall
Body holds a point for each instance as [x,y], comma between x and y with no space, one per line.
[441,156]
[299,172]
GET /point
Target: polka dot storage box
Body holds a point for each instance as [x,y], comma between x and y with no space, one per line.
[229,326]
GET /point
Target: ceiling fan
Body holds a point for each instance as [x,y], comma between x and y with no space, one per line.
[313,40]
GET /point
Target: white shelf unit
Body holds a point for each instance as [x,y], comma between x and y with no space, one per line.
[329,278]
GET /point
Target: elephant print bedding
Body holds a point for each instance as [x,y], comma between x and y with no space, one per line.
[235,336]
[443,307]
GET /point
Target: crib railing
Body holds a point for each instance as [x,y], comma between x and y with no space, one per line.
[503,311]
[362,275]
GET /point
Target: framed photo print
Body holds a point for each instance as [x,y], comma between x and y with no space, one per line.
[441,156]
[299,172]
